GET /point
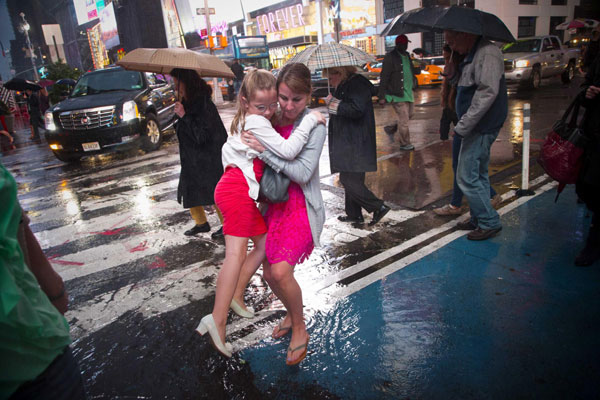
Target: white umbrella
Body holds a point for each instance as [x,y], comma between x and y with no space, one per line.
[329,55]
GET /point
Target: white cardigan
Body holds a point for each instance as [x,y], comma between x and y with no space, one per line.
[236,153]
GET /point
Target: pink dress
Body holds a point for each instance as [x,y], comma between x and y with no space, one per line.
[289,237]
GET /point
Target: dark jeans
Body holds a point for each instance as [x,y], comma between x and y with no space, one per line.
[60,381]
[358,195]
[457,194]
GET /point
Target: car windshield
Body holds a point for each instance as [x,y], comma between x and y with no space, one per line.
[523,46]
[107,81]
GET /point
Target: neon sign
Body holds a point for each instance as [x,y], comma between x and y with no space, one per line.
[282,19]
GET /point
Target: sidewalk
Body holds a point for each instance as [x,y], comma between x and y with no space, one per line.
[506,318]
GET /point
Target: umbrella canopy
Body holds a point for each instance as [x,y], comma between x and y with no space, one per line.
[45,83]
[453,18]
[577,23]
[165,60]
[66,81]
[330,55]
[21,84]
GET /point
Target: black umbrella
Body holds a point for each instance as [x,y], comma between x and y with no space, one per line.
[21,84]
[66,81]
[453,18]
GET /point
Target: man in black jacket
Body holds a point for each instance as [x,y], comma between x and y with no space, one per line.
[396,87]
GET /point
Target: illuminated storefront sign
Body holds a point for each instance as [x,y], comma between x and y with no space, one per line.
[280,20]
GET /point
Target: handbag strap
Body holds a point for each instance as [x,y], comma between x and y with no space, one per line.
[573,109]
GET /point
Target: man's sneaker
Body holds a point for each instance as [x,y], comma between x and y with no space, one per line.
[496,200]
[483,234]
[448,209]
[407,147]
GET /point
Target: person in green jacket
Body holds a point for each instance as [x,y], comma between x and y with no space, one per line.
[396,88]
[34,335]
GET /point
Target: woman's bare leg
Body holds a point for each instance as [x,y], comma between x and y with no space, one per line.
[285,286]
[251,264]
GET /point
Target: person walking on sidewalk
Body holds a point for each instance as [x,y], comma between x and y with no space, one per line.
[588,182]
[448,98]
[396,87]
[352,145]
[201,136]
[481,108]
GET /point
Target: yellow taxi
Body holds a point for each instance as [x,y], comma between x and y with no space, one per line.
[431,74]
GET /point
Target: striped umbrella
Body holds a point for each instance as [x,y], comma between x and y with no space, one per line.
[330,55]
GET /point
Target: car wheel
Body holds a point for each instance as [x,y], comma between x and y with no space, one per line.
[536,78]
[569,73]
[69,158]
[152,136]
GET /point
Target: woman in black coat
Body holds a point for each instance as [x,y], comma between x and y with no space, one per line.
[201,135]
[352,145]
[588,183]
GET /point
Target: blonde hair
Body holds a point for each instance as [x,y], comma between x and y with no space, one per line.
[345,71]
[255,80]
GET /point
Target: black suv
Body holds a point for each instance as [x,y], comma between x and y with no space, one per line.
[110,109]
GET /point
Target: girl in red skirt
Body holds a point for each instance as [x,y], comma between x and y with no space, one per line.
[237,192]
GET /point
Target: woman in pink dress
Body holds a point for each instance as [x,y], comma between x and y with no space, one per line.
[294,226]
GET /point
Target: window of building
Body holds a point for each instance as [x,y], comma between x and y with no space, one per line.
[554,21]
[528,2]
[526,27]
[391,8]
[559,2]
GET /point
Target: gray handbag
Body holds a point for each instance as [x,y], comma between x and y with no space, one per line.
[274,186]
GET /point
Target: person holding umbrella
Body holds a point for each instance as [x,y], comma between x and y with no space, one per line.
[201,135]
[35,113]
[352,144]
[481,108]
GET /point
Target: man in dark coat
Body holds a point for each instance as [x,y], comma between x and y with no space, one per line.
[352,145]
[588,183]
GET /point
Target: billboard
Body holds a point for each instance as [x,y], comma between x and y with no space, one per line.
[108,26]
[87,10]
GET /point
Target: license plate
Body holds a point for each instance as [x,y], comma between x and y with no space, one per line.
[91,146]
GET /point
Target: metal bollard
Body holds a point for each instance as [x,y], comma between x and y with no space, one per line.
[525,191]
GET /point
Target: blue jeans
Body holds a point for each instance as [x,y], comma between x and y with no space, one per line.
[457,194]
[473,179]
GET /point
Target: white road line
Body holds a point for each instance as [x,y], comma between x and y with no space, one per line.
[397,265]
[101,258]
[166,293]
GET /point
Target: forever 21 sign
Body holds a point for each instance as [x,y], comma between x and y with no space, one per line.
[282,19]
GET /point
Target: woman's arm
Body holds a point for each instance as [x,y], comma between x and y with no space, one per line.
[301,169]
[288,149]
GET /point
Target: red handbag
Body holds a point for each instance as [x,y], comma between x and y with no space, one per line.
[562,151]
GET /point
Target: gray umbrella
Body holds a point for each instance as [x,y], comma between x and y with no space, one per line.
[454,18]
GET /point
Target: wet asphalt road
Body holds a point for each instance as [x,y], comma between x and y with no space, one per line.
[138,287]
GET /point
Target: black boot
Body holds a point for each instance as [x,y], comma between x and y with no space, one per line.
[591,251]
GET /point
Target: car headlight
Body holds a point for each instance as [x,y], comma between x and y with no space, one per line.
[425,72]
[522,63]
[49,122]
[130,111]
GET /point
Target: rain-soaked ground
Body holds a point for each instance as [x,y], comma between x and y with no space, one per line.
[394,311]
